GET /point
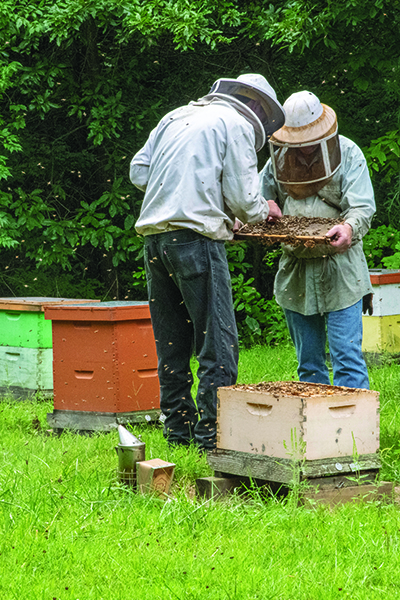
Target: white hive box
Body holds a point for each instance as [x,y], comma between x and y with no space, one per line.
[381,331]
[298,420]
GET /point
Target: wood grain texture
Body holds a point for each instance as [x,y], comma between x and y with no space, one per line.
[284,470]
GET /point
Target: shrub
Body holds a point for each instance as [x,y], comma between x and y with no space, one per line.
[382,247]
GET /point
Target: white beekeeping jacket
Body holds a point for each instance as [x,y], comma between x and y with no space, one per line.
[199,171]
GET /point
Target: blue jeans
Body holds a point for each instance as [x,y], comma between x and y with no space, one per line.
[190,298]
[344,328]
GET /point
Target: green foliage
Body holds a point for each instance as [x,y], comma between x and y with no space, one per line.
[259,320]
[383,158]
[50,282]
[83,83]
[393,262]
[383,155]
[380,245]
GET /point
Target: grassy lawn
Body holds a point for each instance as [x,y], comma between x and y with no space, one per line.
[68,530]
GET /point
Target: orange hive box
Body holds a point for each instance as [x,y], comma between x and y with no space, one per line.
[104,361]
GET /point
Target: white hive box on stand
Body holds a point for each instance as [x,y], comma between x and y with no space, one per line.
[25,371]
[381,330]
[288,432]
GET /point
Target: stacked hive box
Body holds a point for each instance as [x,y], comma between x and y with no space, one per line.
[267,430]
[104,366]
[26,346]
[382,329]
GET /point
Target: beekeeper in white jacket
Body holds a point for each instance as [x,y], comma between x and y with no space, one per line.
[198,169]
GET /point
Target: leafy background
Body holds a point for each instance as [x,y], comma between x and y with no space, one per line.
[82,83]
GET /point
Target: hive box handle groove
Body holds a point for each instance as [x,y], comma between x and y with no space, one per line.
[342,411]
[82,324]
[13,316]
[84,374]
[13,355]
[147,372]
[260,410]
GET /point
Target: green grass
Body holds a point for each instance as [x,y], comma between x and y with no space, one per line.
[69,531]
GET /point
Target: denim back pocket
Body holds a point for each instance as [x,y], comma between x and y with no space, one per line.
[188,260]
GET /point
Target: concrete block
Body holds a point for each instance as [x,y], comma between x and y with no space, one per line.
[216,487]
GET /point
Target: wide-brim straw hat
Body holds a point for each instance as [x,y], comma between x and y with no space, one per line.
[294,133]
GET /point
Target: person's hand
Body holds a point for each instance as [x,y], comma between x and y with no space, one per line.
[237,225]
[341,236]
[275,212]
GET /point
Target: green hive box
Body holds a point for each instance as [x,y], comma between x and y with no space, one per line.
[24,329]
[26,355]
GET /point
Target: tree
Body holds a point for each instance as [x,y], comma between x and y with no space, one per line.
[355,47]
[82,83]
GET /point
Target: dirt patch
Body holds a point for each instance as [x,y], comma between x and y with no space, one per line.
[295,388]
[296,231]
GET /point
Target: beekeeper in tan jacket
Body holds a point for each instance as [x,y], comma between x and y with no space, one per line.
[314,172]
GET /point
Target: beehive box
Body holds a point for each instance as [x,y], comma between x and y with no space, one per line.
[296,420]
[25,371]
[381,330]
[104,359]
[26,356]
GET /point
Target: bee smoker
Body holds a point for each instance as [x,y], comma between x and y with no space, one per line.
[130,450]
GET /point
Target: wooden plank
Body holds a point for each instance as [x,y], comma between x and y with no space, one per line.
[284,470]
[346,480]
[340,465]
[260,467]
[81,421]
[139,416]
[97,421]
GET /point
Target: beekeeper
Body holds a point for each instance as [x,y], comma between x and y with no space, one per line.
[198,169]
[314,172]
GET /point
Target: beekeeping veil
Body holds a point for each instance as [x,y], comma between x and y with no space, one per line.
[305,152]
[252,96]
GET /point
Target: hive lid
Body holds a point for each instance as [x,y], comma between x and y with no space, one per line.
[37,303]
[98,311]
[384,276]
